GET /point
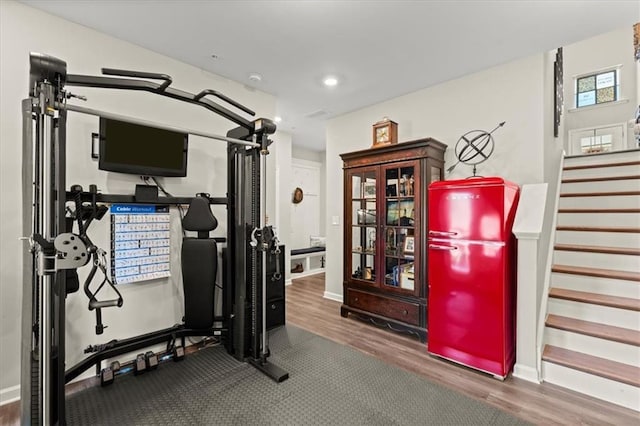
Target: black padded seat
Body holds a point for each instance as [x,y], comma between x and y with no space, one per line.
[199,265]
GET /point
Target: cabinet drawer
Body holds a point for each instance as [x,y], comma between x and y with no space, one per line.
[390,308]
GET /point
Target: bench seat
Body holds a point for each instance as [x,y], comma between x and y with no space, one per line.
[307,254]
[307,250]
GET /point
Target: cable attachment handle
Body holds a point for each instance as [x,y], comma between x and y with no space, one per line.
[100,262]
[275,249]
[262,239]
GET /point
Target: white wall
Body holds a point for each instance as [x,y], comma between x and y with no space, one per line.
[320,157]
[553,148]
[604,51]
[511,92]
[305,216]
[150,305]
[281,151]
[306,154]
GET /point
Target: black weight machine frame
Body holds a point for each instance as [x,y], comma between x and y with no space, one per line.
[47,263]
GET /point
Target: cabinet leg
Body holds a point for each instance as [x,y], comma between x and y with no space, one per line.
[343,312]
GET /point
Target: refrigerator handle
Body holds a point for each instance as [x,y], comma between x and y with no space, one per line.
[442,233]
[439,247]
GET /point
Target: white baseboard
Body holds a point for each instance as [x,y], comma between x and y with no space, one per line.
[9,395]
[332,296]
[525,372]
[288,282]
[307,273]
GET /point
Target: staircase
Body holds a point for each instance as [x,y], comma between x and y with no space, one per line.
[592,329]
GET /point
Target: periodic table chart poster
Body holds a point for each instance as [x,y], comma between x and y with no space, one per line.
[140,242]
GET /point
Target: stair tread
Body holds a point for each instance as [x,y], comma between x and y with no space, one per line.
[627,303]
[602,367]
[630,210]
[599,194]
[597,272]
[598,249]
[594,329]
[598,229]
[600,179]
[601,165]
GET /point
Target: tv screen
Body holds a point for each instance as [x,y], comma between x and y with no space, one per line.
[141,150]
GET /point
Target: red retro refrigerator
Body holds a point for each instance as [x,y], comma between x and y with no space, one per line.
[472,265]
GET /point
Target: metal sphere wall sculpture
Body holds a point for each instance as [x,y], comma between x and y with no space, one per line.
[474,147]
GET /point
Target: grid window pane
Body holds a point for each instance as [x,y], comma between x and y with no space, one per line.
[586,84]
[605,80]
[588,98]
[597,88]
[606,94]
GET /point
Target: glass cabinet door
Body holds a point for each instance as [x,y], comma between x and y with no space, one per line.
[399,227]
[363,225]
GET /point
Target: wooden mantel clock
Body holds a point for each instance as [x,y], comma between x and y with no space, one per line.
[385,133]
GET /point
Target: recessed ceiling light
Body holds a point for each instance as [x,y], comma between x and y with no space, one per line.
[330,81]
[277,119]
[255,77]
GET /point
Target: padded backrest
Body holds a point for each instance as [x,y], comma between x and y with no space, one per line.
[199,217]
[199,265]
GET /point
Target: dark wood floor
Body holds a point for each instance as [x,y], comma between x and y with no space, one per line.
[543,404]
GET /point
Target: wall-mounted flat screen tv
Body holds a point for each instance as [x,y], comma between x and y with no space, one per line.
[141,150]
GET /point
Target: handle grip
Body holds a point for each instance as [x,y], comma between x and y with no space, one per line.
[442,233]
[439,247]
[95,304]
[140,74]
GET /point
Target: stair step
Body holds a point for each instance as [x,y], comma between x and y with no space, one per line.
[602,367]
[598,229]
[623,182]
[600,194]
[628,220]
[594,329]
[609,349]
[601,179]
[596,298]
[599,249]
[600,314]
[608,286]
[617,393]
[596,272]
[631,210]
[601,172]
[594,259]
[601,165]
[609,200]
[618,239]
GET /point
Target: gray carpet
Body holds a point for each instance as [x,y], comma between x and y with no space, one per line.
[329,384]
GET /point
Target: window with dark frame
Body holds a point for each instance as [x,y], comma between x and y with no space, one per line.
[597,88]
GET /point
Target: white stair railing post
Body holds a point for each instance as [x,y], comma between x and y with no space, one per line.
[527,228]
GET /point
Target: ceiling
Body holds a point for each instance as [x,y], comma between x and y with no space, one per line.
[377,49]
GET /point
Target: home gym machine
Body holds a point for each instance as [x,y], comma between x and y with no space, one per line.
[55,253]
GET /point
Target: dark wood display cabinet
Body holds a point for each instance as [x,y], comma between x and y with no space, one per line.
[385,211]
